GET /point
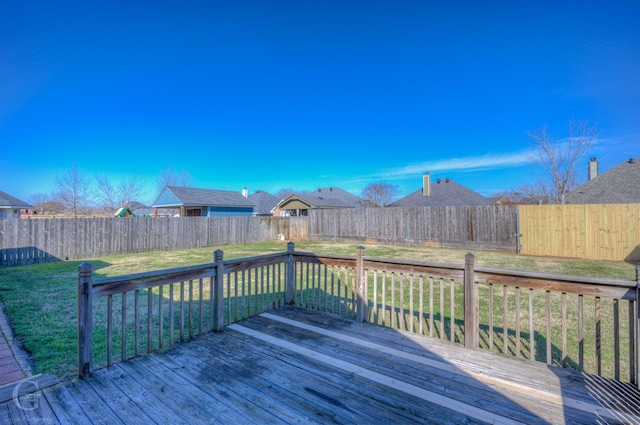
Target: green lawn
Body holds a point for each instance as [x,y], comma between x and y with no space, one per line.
[40,300]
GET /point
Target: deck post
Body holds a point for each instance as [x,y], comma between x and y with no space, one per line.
[470,303]
[290,289]
[218,289]
[361,314]
[85,321]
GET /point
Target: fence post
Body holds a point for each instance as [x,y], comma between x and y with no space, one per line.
[290,279]
[218,289]
[470,303]
[85,321]
[361,314]
[635,367]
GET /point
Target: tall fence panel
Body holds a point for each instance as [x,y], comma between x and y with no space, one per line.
[33,241]
[592,231]
[492,227]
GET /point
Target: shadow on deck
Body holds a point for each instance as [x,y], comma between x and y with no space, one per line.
[295,365]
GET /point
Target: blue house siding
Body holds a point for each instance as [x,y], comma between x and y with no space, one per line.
[229,211]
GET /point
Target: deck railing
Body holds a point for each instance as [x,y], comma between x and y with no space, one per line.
[125,316]
[585,323]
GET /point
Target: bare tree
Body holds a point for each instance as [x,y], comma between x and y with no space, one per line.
[529,194]
[286,192]
[105,193]
[130,189]
[73,190]
[112,197]
[171,177]
[380,194]
[559,158]
[43,204]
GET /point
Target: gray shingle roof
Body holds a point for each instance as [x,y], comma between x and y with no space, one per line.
[263,201]
[342,195]
[444,192]
[619,185]
[8,201]
[190,196]
[322,202]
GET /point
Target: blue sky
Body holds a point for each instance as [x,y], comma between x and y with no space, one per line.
[307,94]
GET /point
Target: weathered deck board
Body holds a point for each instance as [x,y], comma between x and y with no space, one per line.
[300,366]
[560,386]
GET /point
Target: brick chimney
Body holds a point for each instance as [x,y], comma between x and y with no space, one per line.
[426,184]
[593,168]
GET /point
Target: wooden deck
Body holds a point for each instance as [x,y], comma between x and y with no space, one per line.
[300,366]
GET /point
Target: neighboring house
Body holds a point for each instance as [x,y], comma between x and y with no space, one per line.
[192,202]
[619,185]
[298,205]
[10,206]
[264,203]
[442,192]
[323,198]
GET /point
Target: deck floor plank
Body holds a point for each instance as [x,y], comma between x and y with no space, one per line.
[381,401]
[94,405]
[439,380]
[281,374]
[322,369]
[205,388]
[182,408]
[114,392]
[330,391]
[565,384]
[66,409]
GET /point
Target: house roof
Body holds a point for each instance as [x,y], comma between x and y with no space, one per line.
[444,192]
[619,185]
[8,201]
[298,201]
[342,195]
[174,196]
[264,202]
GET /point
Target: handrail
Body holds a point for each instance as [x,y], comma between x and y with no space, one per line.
[377,271]
[90,290]
[364,288]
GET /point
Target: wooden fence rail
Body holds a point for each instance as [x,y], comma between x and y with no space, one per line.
[568,321]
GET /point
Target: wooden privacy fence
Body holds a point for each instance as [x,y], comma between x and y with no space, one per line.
[32,241]
[592,231]
[590,324]
[480,227]
[602,232]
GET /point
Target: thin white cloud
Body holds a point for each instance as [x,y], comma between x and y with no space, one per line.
[467,164]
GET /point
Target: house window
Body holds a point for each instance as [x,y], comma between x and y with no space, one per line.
[194,212]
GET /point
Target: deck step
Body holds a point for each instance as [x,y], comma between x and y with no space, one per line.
[25,386]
